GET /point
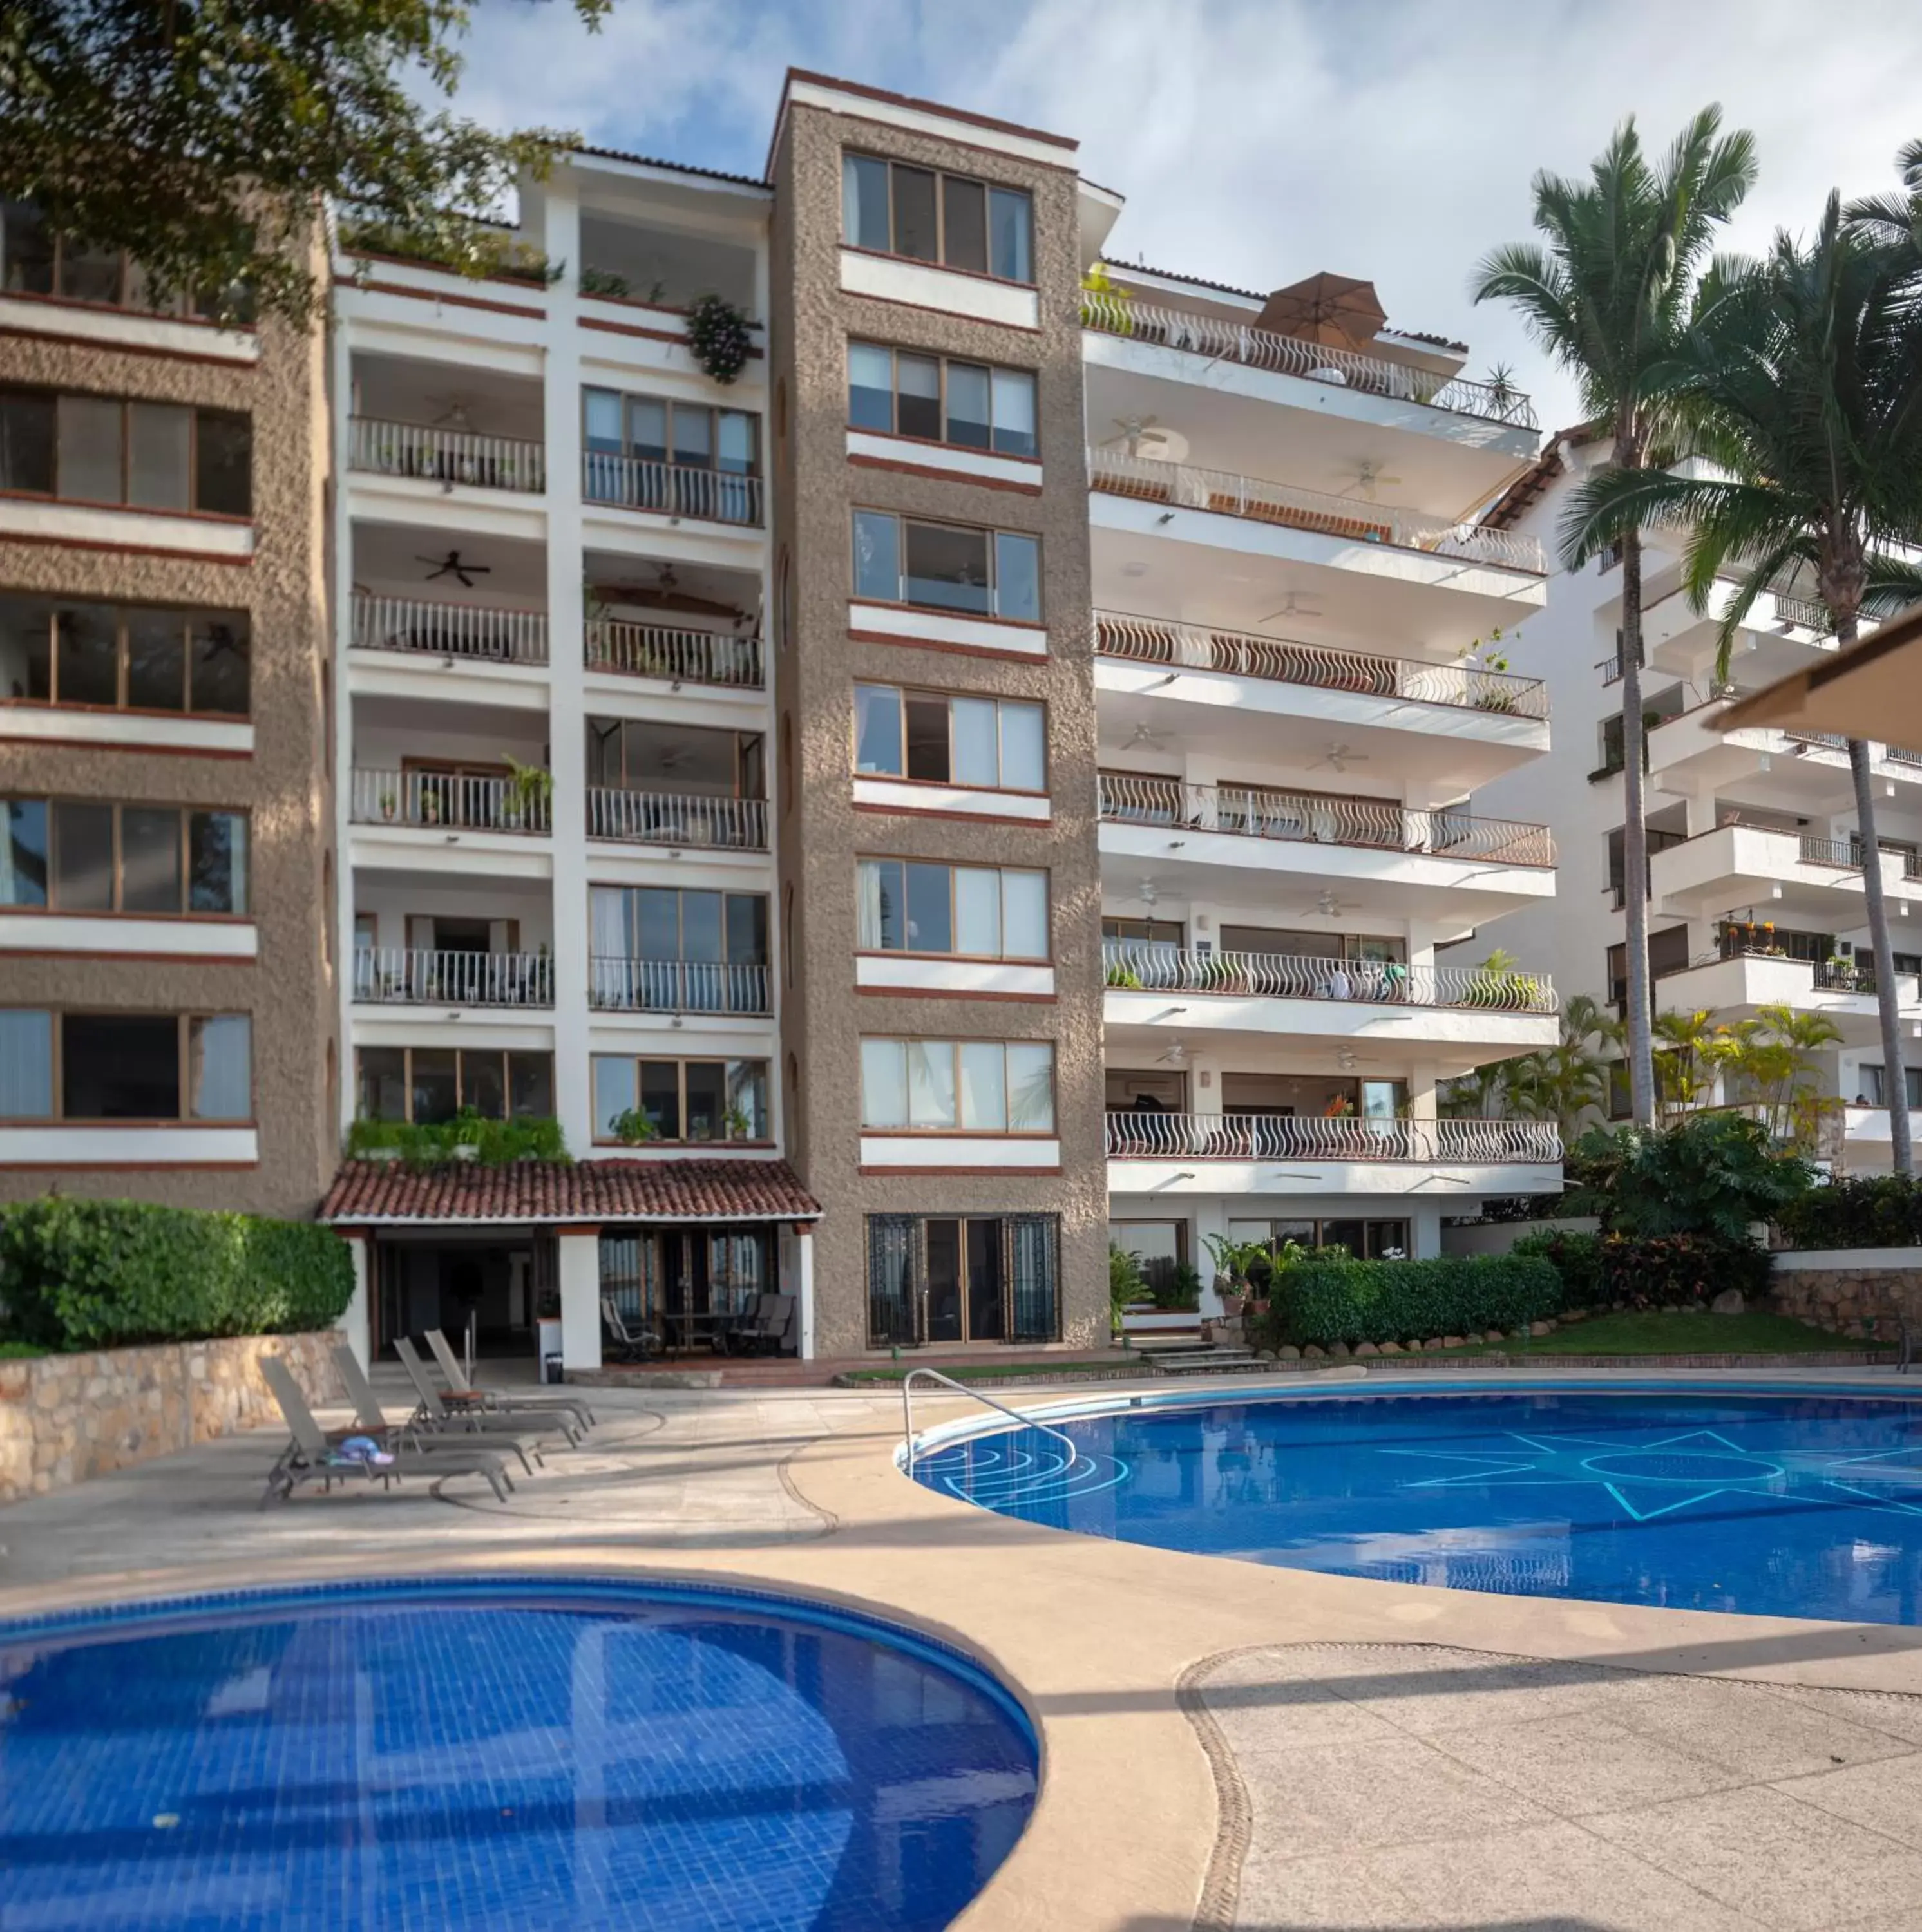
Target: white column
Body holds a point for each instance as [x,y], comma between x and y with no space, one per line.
[580,1272]
[342,703]
[804,1290]
[357,1324]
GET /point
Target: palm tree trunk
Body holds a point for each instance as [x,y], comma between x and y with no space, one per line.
[1634,843]
[1895,1081]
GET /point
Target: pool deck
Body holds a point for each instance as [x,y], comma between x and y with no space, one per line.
[1224,1743]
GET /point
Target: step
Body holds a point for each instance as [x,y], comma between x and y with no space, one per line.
[1207,1361]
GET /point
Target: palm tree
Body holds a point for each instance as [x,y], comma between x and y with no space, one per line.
[1801,381]
[1773,1056]
[1609,297]
[1687,1060]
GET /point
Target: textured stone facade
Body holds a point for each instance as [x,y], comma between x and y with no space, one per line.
[63,1418]
[1870,1301]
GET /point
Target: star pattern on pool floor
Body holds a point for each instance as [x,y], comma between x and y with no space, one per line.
[1655,1479]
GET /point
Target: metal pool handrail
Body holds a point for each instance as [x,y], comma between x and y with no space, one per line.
[961,1388]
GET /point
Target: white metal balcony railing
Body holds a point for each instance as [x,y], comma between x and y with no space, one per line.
[676,986]
[1286,661]
[1157,1136]
[1223,340]
[397,975]
[1843,853]
[1820,741]
[1443,831]
[677,818]
[639,483]
[452,799]
[440,455]
[683,657]
[1132,965]
[1223,491]
[477,631]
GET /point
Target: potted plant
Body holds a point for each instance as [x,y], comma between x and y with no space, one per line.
[387,803]
[719,336]
[604,282]
[429,805]
[530,793]
[633,1125]
[740,1126]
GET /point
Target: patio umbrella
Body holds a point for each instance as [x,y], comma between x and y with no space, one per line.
[1337,310]
[1872,690]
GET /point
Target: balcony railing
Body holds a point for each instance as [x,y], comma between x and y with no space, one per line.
[404,976]
[1285,660]
[1155,1136]
[1313,819]
[1898,754]
[1131,965]
[1820,741]
[1843,853]
[683,657]
[677,818]
[639,483]
[1221,491]
[1224,341]
[446,455]
[479,632]
[676,986]
[451,798]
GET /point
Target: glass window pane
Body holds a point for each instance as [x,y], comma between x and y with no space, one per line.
[946,567]
[483,1083]
[1023,750]
[1024,914]
[156,660]
[967,405]
[23,852]
[1017,562]
[918,386]
[747,1100]
[26,442]
[88,274]
[914,229]
[977,911]
[977,760]
[693,436]
[878,729]
[930,917]
[883,1083]
[870,386]
[707,1100]
[614,1092]
[983,1086]
[216,862]
[220,1067]
[89,455]
[83,857]
[600,421]
[965,238]
[1014,434]
[436,1085]
[26,250]
[647,428]
[879,926]
[223,464]
[26,649]
[88,655]
[734,451]
[931,1099]
[531,1085]
[26,1065]
[149,859]
[660,1095]
[700,927]
[747,929]
[217,658]
[160,436]
[1010,220]
[928,755]
[120,1067]
[877,556]
[1031,1086]
[864,201]
[383,1089]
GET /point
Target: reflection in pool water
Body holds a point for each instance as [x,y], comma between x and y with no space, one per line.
[1793,1505]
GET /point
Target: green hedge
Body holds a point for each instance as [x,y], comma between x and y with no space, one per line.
[1875,1211]
[1576,1256]
[1354,1301]
[1680,1271]
[103,1274]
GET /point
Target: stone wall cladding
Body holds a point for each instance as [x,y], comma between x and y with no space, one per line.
[820,834]
[289,991]
[64,1418]
[1870,1302]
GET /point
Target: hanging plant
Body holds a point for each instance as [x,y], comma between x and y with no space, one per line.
[718,334]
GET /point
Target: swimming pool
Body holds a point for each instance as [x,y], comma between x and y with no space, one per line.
[504,1754]
[1789,1505]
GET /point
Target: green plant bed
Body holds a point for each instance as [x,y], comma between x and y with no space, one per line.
[467,1136]
[1632,1332]
[19,1351]
[1325,1302]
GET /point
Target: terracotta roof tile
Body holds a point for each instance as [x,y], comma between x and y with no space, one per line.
[590,1190]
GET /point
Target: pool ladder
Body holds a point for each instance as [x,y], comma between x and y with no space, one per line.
[961,1388]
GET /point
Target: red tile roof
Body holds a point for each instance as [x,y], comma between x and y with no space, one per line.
[551,1190]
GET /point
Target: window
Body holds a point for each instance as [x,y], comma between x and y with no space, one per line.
[1667,952]
[73,855]
[895,208]
[1371,1240]
[969,912]
[1160,1247]
[681,1100]
[987,743]
[35,261]
[1872,1084]
[948,567]
[655,949]
[97,449]
[430,1084]
[125,1067]
[686,459]
[937,400]
[982,1278]
[636,755]
[958,1086]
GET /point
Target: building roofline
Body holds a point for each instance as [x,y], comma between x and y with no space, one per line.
[671,167]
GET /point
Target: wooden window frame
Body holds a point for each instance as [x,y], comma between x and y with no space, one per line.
[119,909]
[903,691]
[126,404]
[184,1070]
[956,1041]
[188,615]
[989,532]
[894,353]
[460,1052]
[941,177]
[951,866]
[182,307]
[680,1062]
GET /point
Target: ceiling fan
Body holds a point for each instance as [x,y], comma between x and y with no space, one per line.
[453,406]
[1327,907]
[1149,894]
[664,594]
[451,565]
[1144,436]
[1292,606]
[1146,739]
[1368,475]
[1176,1053]
[1338,757]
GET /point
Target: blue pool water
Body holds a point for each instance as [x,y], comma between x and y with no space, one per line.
[1789,1505]
[502,1755]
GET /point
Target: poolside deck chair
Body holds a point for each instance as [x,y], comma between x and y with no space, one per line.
[460,1393]
[629,1346]
[310,1457]
[766,1328]
[373,1421]
[433,1413]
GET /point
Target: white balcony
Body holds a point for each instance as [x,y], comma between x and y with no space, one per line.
[423,452]
[675,657]
[1738,866]
[1782,633]
[404,976]
[426,822]
[468,633]
[670,490]
[1736,987]
[680,821]
[706,987]
[1867,1143]
[1806,772]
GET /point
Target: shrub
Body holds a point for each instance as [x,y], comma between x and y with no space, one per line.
[1324,1301]
[719,338]
[1680,1271]
[1713,1174]
[1574,1255]
[1882,1210]
[101,1274]
[526,1137]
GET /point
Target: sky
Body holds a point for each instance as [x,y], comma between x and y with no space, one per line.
[1259,141]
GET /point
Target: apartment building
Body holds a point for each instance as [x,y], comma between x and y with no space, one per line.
[1755,865]
[168,1010]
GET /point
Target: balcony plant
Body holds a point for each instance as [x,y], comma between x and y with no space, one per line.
[1496,983]
[738,1124]
[387,803]
[1123,977]
[634,1125]
[530,793]
[719,336]
[1103,305]
[492,1143]
[604,282]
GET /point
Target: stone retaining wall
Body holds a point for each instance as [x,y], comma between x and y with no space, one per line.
[63,1418]
[1865,1292]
